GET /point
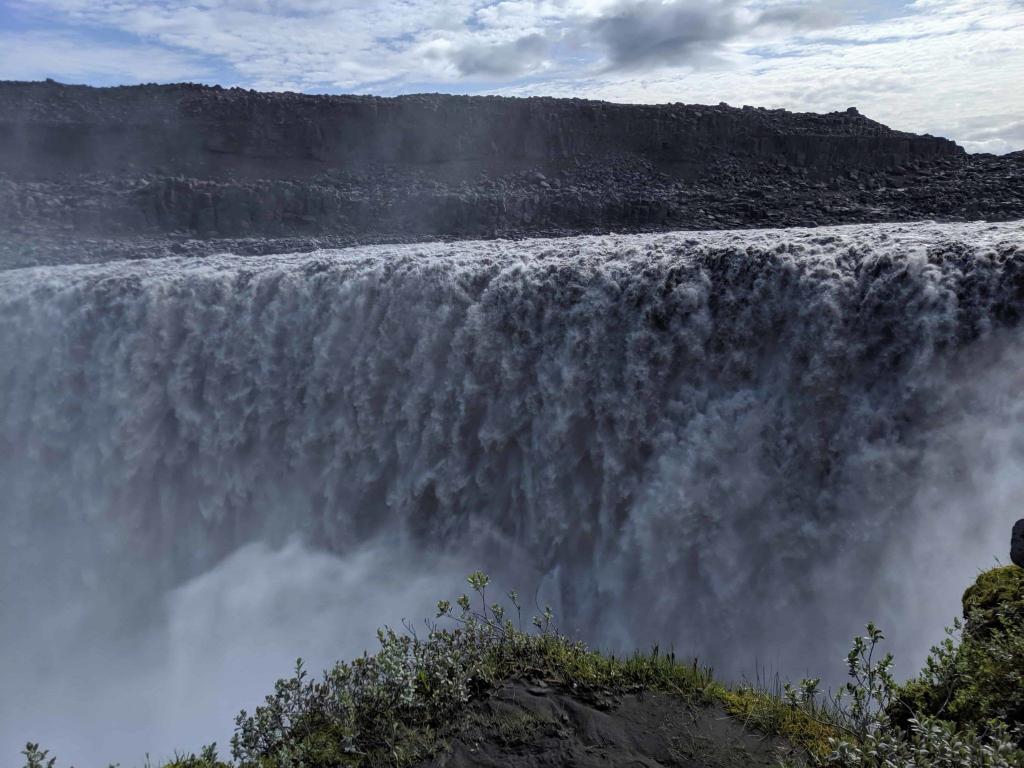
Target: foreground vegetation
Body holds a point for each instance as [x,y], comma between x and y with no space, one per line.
[408,700]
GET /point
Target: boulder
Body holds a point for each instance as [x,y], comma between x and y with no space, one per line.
[995,598]
[1017,544]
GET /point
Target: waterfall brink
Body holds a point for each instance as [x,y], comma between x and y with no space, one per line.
[745,444]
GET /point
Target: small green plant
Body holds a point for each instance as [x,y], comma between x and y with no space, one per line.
[871,687]
[36,757]
[207,758]
[807,691]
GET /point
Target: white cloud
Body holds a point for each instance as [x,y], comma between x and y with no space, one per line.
[996,134]
[947,73]
[930,65]
[37,55]
[503,59]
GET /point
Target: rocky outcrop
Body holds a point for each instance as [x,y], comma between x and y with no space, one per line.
[208,162]
[1017,544]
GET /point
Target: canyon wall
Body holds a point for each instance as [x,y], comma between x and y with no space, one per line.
[50,129]
[205,162]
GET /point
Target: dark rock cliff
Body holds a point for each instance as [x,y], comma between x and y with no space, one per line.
[50,129]
[209,162]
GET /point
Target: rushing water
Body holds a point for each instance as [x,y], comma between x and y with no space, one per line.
[741,444]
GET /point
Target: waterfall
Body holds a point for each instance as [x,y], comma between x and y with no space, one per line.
[742,444]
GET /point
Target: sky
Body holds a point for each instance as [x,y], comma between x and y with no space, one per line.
[952,68]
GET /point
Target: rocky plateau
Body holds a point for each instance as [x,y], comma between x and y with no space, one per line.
[98,173]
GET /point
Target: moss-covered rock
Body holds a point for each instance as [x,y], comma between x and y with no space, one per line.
[978,676]
[995,600]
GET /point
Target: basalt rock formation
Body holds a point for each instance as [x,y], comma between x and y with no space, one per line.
[1017,544]
[207,162]
[223,134]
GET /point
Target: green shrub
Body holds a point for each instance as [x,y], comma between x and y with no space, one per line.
[36,757]
[929,743]
[403,702]
[869,737]
[976,675]
[207,758]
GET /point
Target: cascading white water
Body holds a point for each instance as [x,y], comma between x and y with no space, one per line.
[742,444]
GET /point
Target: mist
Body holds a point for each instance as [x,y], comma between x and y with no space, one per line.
[743,445]
[174,678]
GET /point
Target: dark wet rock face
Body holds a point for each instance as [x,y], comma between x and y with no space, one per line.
[1017,544]
[205,162]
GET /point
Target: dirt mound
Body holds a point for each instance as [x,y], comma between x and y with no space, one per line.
[526,725]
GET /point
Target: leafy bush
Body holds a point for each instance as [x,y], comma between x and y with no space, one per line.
[383,708]
[930,743]
[872,739]
[976,675]
[399,704]
[207,758]
[36,757]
